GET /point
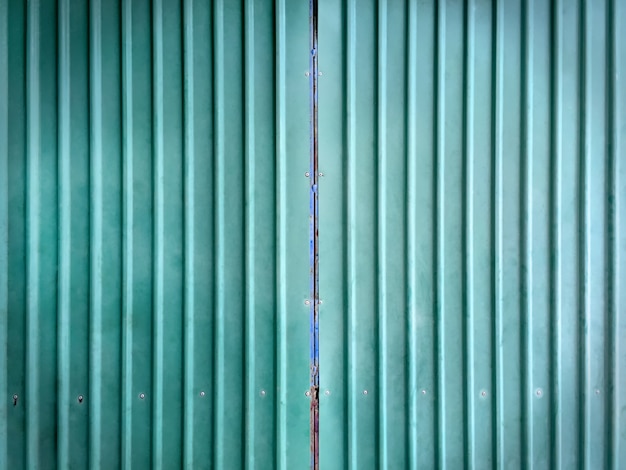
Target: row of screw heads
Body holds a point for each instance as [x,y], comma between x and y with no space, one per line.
[263,393]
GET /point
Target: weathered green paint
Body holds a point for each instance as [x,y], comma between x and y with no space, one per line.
[154,234]
[471,234]
[154,230]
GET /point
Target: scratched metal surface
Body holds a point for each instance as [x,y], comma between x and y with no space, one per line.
[472,239]
[153,234]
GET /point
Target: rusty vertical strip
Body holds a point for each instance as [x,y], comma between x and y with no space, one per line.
[314,242]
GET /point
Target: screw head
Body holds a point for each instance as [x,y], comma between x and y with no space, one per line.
[80,398]
[307,174]
[306,74]
[321,174]
[327,392]
[423,391]
[483,393]
[597,391]
[320,74]
[142,395]
[262,393]
[15,397]
[307,302]
[307,393]
[539,393]
[202,393]
[365,392]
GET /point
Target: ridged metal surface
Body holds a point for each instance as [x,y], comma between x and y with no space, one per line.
[155,284]
[472,234]
[154,234]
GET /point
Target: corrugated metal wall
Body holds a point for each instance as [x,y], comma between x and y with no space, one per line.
[154,234]
[472,240]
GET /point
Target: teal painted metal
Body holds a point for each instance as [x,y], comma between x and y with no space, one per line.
[154,228]
[471,234]
[154,277]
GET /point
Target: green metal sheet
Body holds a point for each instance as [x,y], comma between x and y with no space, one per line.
[471,244]
[158,221]
[154,233]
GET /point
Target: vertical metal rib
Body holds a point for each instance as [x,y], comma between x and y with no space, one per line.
[4,225]
[527,231]
[440,172]
[33,132]
[127,233]
[351,260]
[219,255]
[65,241]
[584,227]
[159,233]
[281,234]
[412,265]
[615,152]
[314,241]
[249,235]
[556,230]
[189,233]
[95,331]
[468,142]
[498,198]
[382,233]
